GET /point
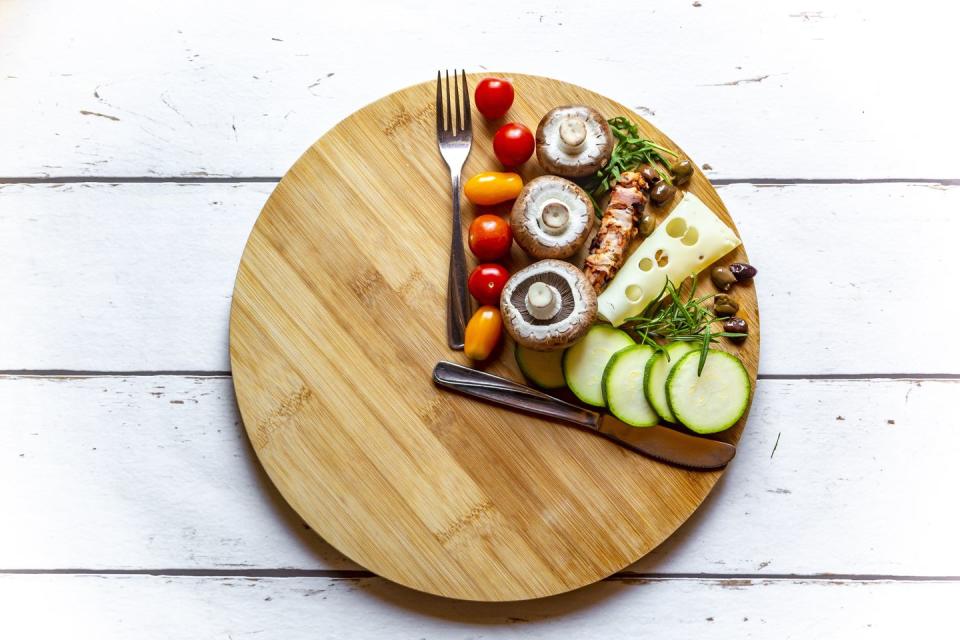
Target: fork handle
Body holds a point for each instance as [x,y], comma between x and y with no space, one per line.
[458,304]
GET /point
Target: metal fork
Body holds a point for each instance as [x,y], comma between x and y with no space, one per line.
[454,137]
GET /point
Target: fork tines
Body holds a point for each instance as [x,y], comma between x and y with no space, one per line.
[449,126]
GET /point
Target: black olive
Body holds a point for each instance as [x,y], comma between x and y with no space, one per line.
[724,305]
[722,278]
[682,172]
[742,271]
[649,174]
[735,325]
[662,192]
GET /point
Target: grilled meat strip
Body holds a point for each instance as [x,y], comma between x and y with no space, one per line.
[617,228]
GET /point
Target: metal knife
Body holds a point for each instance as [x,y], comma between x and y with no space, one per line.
[658,442]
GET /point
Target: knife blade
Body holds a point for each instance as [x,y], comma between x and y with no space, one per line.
[658,442]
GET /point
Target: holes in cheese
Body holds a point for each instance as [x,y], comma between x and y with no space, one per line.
[689,240]
[676,228]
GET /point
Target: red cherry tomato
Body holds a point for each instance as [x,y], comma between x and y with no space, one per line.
[490,237]
[513,143]
[486,282]
[493,97]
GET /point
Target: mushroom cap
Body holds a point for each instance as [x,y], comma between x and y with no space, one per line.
[597,147]
[578,306]
[525,217]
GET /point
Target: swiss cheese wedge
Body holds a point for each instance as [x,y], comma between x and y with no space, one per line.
[689,240]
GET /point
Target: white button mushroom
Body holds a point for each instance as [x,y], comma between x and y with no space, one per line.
[542,300]
[573,141]
[548,305]
[551,217]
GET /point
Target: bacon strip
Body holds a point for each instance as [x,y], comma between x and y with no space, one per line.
[617,228]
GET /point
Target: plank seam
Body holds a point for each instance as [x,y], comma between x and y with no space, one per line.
[186,179]
[354,574]
[87,373]
[138,179]
[190,373]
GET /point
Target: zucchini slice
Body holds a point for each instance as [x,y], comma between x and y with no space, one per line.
[715,399]
[655,377]
[623,386]
[585,360]
[542,368]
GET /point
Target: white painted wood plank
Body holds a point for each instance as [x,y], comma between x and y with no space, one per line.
[140,472]
[171,608]
[832,477]
[755,89]
[127,277]
[139,276]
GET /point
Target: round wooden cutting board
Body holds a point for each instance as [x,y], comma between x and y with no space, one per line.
[337,321]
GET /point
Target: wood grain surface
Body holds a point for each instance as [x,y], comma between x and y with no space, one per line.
[336,323]
[135,161]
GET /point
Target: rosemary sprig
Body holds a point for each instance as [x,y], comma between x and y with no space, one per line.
[630,152]
[671,318]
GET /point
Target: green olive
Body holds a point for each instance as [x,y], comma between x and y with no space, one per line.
[682,172]
[647,224]
[722,278]
[724,305]
[649,174]
[662,192]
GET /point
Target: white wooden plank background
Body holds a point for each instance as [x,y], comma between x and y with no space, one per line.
[840,266]
[797,89]
[108,608]
[154,472]
[132,504]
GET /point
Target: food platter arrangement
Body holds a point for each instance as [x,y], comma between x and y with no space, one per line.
[594,314]
[624,329]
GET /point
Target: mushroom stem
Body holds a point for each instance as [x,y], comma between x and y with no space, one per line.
[573,133]
[554,217]
[543,301]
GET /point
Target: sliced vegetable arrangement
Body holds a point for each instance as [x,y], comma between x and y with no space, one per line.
[655,376]
[711,399]
[542,368]
[627,331]
[585,362]
[623,386]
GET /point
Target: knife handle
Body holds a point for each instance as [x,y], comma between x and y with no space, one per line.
[497,390]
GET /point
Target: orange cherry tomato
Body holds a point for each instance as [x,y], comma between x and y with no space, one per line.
[483,333]
[490,237]
[492,187]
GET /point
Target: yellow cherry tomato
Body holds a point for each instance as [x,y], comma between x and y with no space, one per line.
[483,333]
[492,187]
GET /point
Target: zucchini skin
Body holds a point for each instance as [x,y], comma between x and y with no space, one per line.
[677,350]
[742,383]
[607,380]
[580,393]
[534,377]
